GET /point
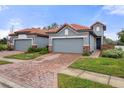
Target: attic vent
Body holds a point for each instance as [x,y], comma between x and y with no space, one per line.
[97,28]
[66,31]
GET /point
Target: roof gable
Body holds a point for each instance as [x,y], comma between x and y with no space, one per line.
[104,26]
[70,30]
[75,27]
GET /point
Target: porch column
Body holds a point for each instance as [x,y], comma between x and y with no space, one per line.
[34,46]
[50,48]
[86,48]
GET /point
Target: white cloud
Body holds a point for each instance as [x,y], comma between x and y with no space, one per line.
[3,7]
[111,35]
[114,9]
[4,33]
[16,22]
[109,9]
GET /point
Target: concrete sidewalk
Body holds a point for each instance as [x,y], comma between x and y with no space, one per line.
[6,83]
[12,60]
[96,54]
[97,77]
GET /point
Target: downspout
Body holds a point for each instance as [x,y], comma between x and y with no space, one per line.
[89,41]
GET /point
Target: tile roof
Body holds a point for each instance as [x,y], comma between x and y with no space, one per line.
[76,27]
[36,31]
[44,32]
[97,22]
[80,27]
[53,30]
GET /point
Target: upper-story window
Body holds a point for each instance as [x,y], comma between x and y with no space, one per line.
[97,28]
[66,31]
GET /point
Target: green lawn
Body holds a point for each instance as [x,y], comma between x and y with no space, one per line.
[25,56]
[108,66]
[4,62]
[66,81]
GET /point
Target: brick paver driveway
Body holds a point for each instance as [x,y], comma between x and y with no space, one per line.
[7,53]
[41,72]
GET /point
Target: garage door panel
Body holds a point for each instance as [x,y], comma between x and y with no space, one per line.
[22,44]
[68,45]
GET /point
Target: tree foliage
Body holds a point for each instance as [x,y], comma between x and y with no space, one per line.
[3,41]
[121,36]
[109,41]
[53,25]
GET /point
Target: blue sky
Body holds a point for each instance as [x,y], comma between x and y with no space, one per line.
[39,16]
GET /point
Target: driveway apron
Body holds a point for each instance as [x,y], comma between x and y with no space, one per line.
[38,73]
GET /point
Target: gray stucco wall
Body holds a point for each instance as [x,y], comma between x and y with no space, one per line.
[16,37]
[41,41]
[92,43]
[98,33]
[71,32]
[86,41]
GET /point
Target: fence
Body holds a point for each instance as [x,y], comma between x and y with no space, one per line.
[107,46]
[122,47]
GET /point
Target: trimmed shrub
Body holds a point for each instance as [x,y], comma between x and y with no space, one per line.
[3,47]
[113,53]
[31,50]
[86,53]
[42,50]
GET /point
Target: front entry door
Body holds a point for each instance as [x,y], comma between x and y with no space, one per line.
[98,43]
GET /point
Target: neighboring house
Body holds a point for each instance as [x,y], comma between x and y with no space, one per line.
[69,38]
[74,38]
[23,39]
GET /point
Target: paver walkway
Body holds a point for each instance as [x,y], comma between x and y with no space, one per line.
[19,60]
[97,77]
[41,72]
[96,54]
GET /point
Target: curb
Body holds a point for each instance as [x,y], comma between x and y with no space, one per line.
[11,84]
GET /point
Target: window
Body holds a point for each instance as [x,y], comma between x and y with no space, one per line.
[97,28]
[66,31]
